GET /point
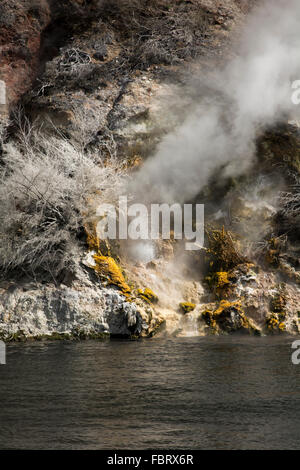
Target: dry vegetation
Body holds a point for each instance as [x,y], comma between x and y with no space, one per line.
[288,217]
[222,251]
[45,188]
[157,32]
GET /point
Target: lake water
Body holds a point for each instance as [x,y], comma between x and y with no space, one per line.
[184,393]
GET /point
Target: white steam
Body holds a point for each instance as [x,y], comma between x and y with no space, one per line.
[252,92]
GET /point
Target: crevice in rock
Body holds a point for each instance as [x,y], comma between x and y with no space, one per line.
[53,38]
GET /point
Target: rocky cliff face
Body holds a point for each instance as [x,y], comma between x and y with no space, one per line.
[82,310]
[103,75]
[21,24]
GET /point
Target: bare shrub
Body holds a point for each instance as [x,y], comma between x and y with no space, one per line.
[223,250]
[48,191]
[159,31]
[288,217]
[72,58]
[3,134]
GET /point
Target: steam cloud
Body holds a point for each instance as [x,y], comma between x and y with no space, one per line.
[251,92]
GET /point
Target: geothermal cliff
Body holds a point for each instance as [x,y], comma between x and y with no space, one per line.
[90,95]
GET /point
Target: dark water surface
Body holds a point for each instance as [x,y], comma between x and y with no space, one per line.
[192,393]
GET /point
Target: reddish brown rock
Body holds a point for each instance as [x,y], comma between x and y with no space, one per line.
[21,26]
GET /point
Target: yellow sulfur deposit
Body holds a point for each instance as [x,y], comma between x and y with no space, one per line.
[187,307]
[108,268]
[147,295]
[228,317]
[275,324]
[221,279]
[275,321]
[225,305]
[92,239]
